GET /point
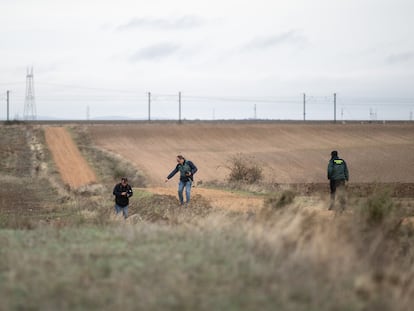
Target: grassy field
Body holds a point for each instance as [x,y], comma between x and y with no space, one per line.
[63,249]
[204,259]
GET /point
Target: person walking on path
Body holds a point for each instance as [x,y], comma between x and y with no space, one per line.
[187,169]
[122,193]
[338,175]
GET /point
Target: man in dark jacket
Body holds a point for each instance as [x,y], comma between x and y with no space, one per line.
[337,175]
[187,169]
[122,193]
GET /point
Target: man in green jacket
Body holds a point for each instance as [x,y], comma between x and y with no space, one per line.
[187,169]
[338,175]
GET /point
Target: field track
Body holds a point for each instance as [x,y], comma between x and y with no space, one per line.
[72,167]
[289,153]
[219,199]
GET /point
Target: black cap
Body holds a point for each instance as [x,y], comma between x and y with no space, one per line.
[334,153]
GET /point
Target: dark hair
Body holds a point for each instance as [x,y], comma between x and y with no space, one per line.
[124,179]
[180,157]
[334,153]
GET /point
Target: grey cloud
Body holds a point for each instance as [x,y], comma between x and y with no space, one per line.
[400,57]
[155,52]
[292,37]
[183,22]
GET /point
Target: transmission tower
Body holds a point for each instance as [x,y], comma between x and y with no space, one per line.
[29,112]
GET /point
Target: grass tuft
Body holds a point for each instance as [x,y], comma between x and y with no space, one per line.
[378,208]
[279,200]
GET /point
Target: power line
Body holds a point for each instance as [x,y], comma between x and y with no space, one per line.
[377,104]
[229,99]
[11,83]
[79,87]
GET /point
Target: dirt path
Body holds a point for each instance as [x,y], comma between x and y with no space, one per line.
[218,198]
[73,168]
[244,202]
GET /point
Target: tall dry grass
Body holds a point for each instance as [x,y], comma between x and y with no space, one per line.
[290,258]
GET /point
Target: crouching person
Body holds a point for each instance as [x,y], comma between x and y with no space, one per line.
[122,193]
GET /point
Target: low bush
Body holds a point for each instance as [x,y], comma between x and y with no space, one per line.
[377,208]
[244,169]
[279,200]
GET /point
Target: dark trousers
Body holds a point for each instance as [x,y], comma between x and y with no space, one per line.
[337,186]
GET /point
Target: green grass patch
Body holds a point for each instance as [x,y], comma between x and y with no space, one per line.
[146,267]
[236,188]
[206,259]
[142,194]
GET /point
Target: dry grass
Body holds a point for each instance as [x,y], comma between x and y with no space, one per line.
[171,258]
[280,199]
[26,195]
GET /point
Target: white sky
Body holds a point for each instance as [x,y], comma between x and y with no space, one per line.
[361,49]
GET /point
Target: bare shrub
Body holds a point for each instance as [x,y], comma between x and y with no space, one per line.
[244,169]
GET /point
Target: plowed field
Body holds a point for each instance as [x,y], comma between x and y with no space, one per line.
[289,153]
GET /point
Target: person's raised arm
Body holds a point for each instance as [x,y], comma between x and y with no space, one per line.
[171,175]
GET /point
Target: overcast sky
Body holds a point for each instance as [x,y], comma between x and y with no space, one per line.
[84,53]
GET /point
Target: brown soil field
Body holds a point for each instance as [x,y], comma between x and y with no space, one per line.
[289,153]
[72,167]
